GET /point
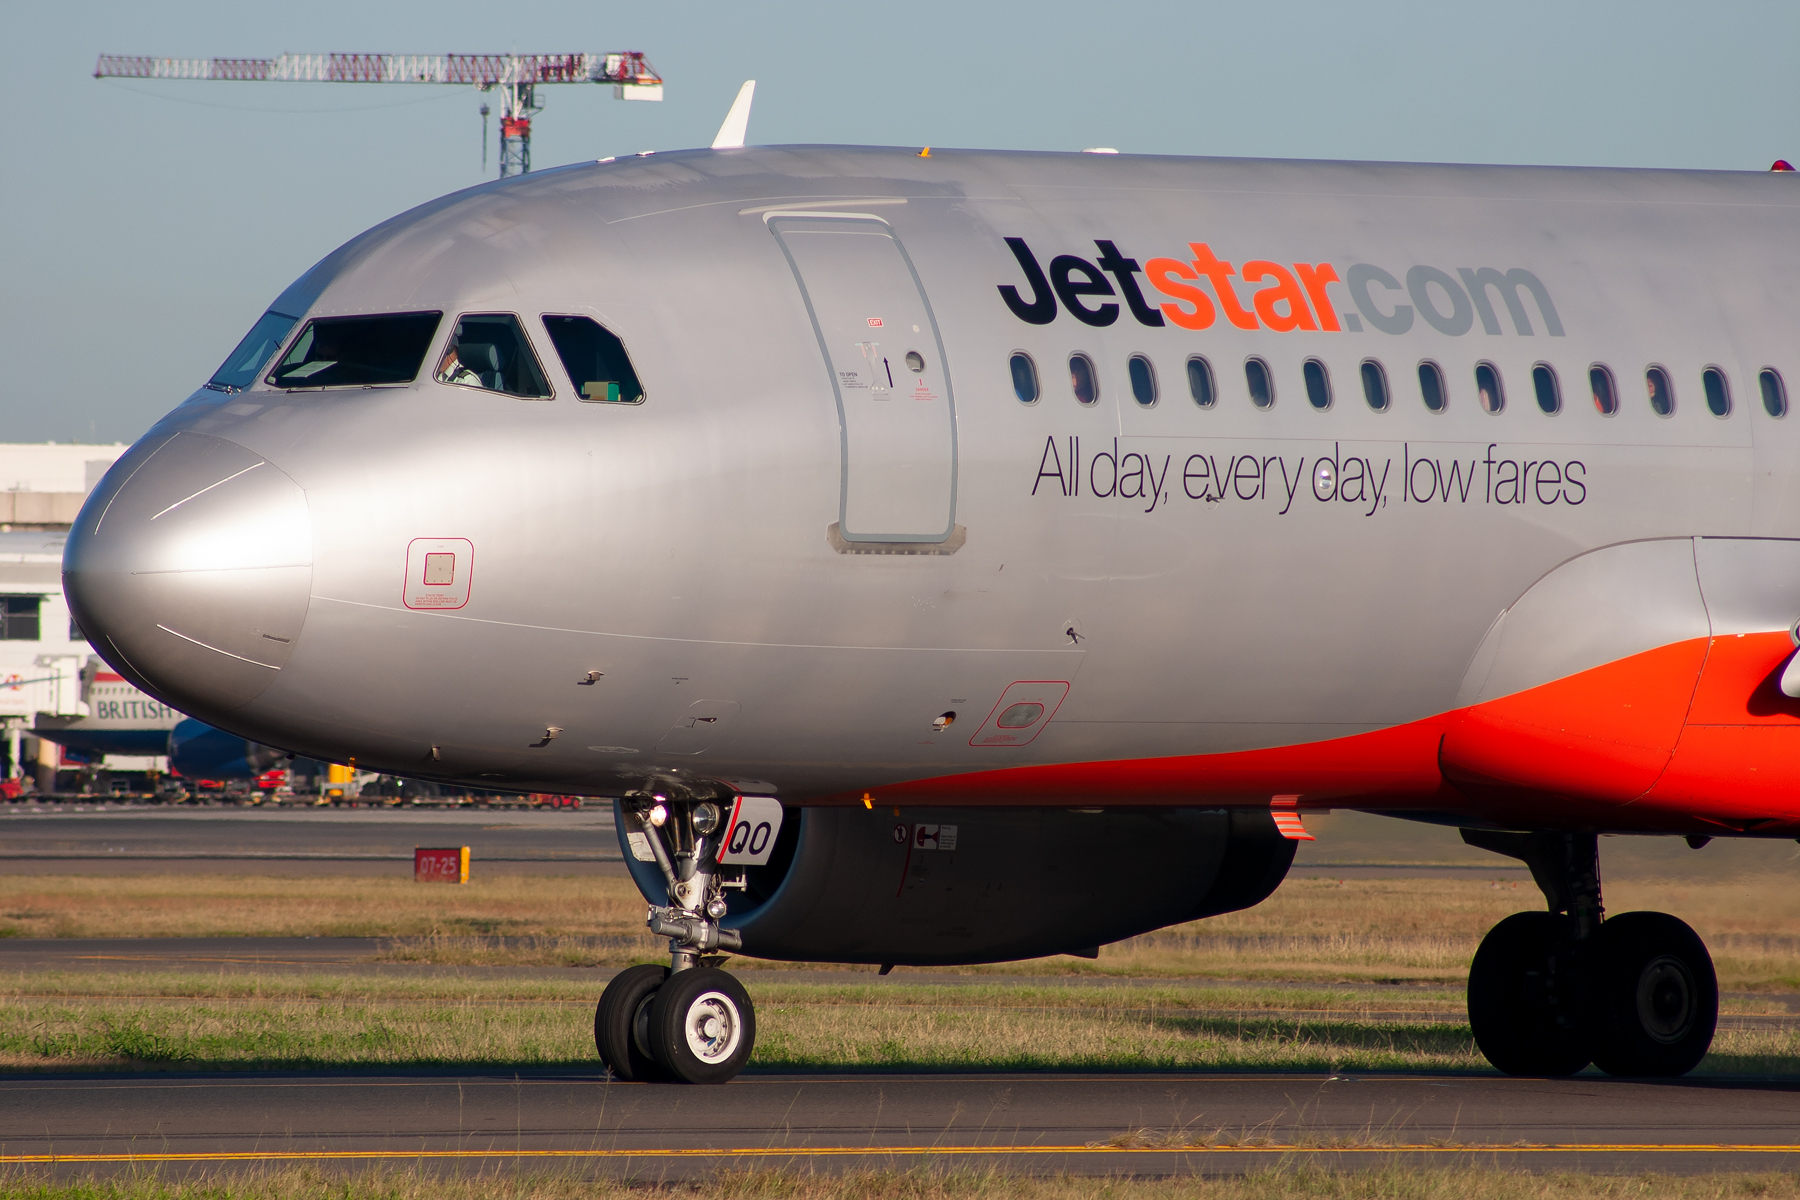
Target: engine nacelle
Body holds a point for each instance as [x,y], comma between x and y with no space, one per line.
[858,886]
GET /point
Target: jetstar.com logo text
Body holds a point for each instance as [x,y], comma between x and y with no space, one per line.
[1192,293]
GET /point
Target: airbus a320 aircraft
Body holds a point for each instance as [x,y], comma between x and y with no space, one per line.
[954,557]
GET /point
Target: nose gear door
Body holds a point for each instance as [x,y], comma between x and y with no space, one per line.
[896,416]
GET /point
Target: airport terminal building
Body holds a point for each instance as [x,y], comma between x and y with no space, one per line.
[50,679]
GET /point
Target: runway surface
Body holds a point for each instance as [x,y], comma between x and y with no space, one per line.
[120,840]
[107,838]
[1096,1123]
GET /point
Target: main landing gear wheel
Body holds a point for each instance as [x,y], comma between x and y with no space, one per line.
[622,1024]
[702,1027]
[1521,999]
[1655,996]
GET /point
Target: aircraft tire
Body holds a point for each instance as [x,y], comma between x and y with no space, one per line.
[621,1024]
[1656,996]
[702,1026]
[1510,1009]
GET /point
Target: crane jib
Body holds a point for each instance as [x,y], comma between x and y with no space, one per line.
[626,68]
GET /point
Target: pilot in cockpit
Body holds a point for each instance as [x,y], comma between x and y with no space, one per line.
[474,364]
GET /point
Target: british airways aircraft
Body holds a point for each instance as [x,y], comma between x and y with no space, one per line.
[953,557]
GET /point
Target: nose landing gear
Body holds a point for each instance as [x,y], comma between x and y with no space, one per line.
[689,1022]
[1551,992]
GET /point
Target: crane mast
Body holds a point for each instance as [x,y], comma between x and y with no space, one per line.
[515,76]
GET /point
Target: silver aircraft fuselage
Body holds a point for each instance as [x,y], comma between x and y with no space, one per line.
[784,587]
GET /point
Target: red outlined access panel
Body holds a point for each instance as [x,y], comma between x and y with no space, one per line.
[438,571]
[1022,712]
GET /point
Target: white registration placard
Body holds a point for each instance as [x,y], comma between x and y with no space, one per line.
[750,834]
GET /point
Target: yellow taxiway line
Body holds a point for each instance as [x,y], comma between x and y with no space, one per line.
[271,1156]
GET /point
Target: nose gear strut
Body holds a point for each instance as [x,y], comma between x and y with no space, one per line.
[698,1025]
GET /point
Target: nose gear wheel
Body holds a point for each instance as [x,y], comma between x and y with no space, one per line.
[702,1026]
[621,1024]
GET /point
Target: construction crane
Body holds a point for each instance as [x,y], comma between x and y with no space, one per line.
[517,76]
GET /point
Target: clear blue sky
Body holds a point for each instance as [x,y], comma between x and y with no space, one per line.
[148,223]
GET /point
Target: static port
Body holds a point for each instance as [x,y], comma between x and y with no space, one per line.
[944,722]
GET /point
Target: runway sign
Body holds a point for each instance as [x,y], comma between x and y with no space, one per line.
[440,864]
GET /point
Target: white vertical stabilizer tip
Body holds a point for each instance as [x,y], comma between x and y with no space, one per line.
[737,121]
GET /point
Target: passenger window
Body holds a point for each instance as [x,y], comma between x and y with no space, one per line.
[1143,380]
[1718,392]
[489,350]
[1487,388]
[1774,392]
[253,353]
[1261,384]
[1375,387]
[595,360]
[1606,396]
[1200,382]
[1549,393]
[1081,378]
[1025,380]
[357,351]
[915,362]
[1318,384]
[1431,386]
[1662,393]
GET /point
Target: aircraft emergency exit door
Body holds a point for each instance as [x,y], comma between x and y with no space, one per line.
[896,416]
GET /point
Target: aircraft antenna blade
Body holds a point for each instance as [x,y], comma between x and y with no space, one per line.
[737,121]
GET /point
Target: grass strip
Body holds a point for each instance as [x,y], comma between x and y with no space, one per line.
[83,1021]
[1382,1181]
[1417,931]
[894,992]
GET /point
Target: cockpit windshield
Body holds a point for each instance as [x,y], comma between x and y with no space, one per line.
[239,371]
[595,359]
[489,350]
[357,351]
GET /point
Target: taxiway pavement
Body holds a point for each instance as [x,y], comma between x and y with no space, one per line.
[115,839]
[101,837]
[1157,1123]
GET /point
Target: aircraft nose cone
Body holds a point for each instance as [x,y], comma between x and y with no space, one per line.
[189,570]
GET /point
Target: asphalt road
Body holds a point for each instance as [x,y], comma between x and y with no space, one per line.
[117,840]
[111,839]
[1096,1123]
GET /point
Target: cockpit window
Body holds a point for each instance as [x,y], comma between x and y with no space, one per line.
[357,351]
[253,353]
[595,360]
[489,350]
